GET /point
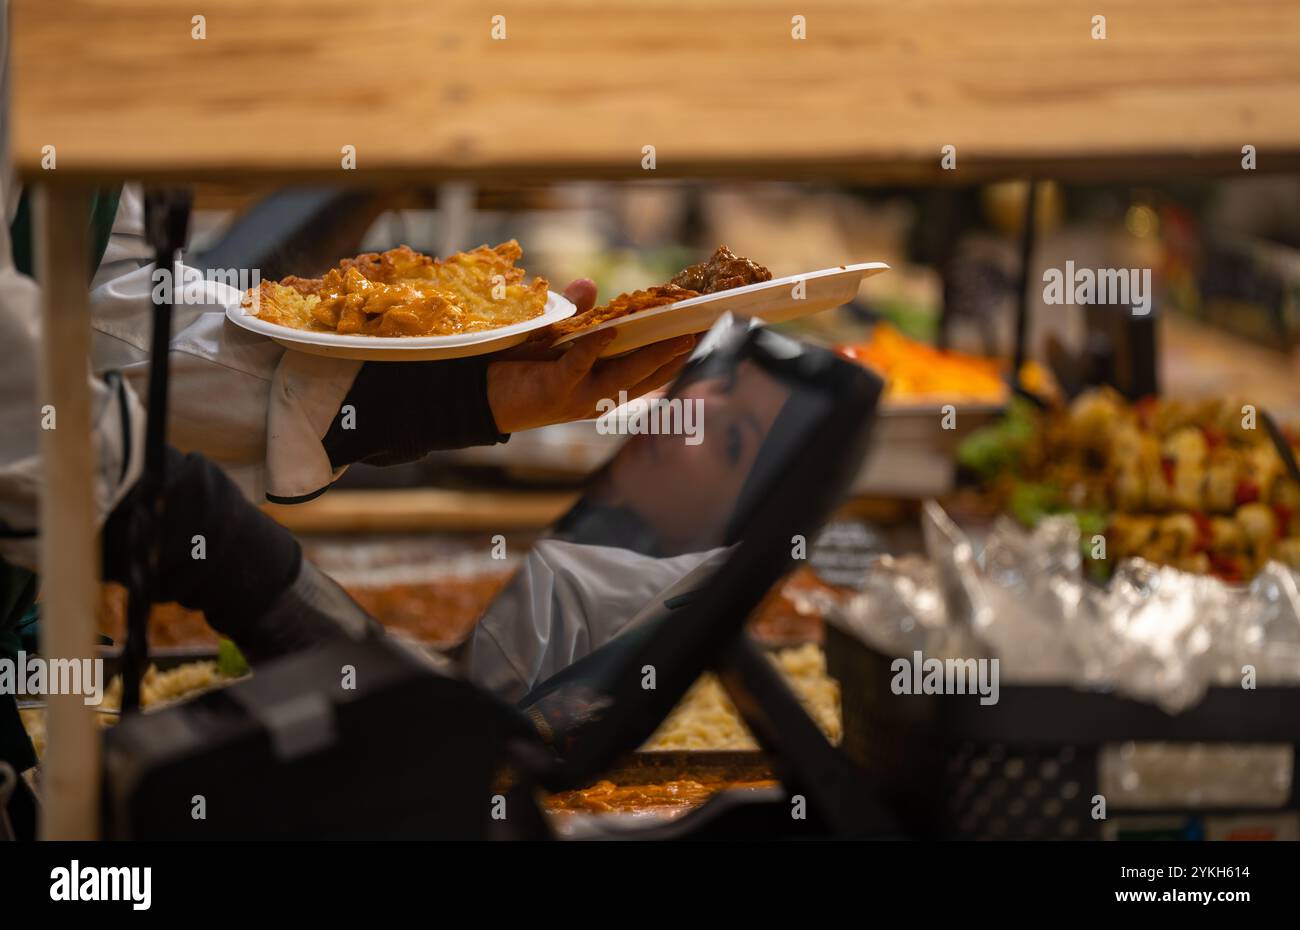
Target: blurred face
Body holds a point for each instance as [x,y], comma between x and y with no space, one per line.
[687,492]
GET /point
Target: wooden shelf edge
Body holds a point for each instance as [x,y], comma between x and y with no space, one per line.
[425,509]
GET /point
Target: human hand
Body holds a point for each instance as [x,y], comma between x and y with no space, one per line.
[537,386]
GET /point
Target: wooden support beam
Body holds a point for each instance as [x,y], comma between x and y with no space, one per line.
[68,548]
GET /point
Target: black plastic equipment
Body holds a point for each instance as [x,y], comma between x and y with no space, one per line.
[608,710]
[296,753]
[406,750]
[1027,766]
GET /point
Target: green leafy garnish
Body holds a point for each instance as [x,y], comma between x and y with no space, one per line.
[230,661]
[999,446]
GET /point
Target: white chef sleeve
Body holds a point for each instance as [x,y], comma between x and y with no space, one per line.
[116,418]
[236,397]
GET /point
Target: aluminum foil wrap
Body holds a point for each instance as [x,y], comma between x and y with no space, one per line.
[1153,633]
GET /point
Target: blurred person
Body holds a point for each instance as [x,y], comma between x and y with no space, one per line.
[654,525]
[665,496]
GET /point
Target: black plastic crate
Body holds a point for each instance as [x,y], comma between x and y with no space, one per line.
[1028,766]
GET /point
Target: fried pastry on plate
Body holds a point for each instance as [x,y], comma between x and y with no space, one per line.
[282,304]
[404,293]
[722,271]
[620,306]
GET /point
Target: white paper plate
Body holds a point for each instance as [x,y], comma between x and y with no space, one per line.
[402,348]
[773,301]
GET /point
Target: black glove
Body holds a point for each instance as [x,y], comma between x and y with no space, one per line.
[312,610]
[402,411]
[252,584]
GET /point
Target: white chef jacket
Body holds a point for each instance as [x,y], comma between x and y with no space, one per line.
[567,600]
[236,397]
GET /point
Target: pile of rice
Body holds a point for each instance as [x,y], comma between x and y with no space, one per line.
[706,718]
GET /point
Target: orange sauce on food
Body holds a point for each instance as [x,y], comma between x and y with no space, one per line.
[606,797]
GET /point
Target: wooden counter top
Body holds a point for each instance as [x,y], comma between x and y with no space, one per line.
[277,89]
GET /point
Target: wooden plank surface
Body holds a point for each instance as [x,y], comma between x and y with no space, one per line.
[69,548]
[423,509]
[277,89]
